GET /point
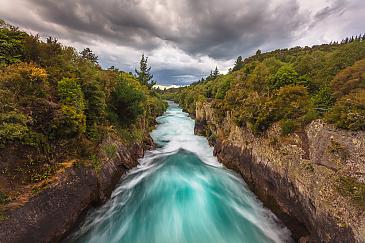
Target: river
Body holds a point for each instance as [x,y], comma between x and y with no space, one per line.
[180,193]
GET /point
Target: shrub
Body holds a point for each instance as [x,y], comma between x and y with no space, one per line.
[284,76]
[95,105]
[24,80]
[349,79]
[96,163]
[349,111]
[71,121]
[288,126]
[351,187]
[11,44]
[127,101]
[257,113]
[70,93]
[323,100]
[291,102]
[14,128]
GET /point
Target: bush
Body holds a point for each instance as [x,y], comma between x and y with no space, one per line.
[14,128]
[351,187]
[349,111]
[25,81]
[288,126]
[95,106]
[323,100]
[291,102]
[70,93]
[257,114]
[349,79]
[11,44]
[127,101]
[284,76]
[71,121]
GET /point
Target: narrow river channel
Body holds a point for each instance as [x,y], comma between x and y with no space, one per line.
[180,193]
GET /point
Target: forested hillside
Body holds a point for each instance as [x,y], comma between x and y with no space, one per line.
[290,86]
[57,105]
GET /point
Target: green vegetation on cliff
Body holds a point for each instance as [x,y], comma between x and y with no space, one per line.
[57,104]
[290,86]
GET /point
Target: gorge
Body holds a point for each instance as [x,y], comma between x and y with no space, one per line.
[181,193]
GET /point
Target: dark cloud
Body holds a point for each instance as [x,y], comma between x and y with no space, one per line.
[199,34]
[198,27]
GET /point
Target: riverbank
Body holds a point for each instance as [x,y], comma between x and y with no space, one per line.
[53,212]
[180,193]
[312,180]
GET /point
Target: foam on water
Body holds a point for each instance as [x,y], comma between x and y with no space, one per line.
[180,193]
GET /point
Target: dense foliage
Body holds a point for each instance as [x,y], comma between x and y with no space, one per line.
[52,97]
[289,86]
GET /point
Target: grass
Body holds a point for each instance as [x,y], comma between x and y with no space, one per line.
[338,150]
[288,126]
[348,186]
[110,150]
[95,162]
[44,174]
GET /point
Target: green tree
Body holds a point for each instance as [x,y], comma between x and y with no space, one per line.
[323,100]
[215,73]
[238,64]
[284,76]
[143,74]
[349,111]
[95,104]
[89,55]
[72,120]
[11,43]
[25,81]
[127,101]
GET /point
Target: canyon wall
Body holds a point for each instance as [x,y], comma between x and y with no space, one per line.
[313,180]
[57,209]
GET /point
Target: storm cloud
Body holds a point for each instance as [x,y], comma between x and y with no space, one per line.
[187,38]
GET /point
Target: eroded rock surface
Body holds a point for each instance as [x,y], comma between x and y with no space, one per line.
[49,215]
[309,178]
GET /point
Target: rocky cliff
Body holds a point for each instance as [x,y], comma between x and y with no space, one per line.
[312,179]
[53,212]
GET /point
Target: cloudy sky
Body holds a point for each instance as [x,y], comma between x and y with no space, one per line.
[185,39]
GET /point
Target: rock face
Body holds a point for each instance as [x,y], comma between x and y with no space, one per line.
[313,180]
[48,216]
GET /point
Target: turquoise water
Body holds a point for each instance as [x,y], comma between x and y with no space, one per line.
[181,194]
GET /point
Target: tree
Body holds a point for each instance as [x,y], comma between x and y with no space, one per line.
[258,52]
[89,55]
[25,81]
[238,64]
[284,76]
[143,74]
[11,43]
[127,101]
[215,73]
[72,120]
[95,103]
[349,111]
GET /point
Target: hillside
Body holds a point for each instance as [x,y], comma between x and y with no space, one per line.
[292,86]
[292,122]
[59,112]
